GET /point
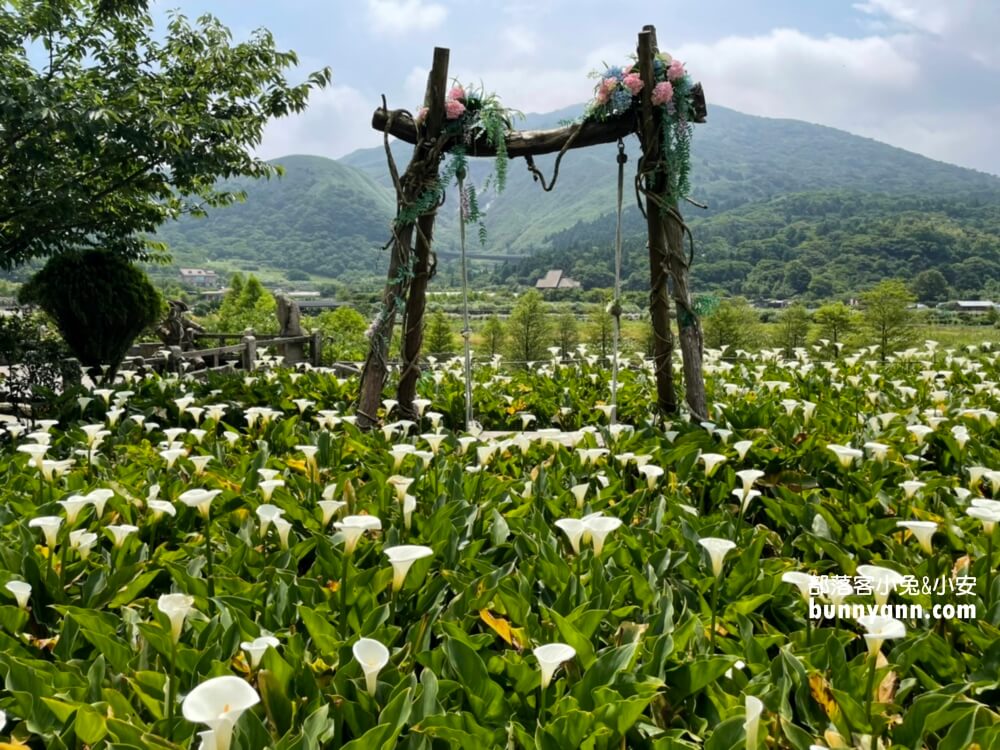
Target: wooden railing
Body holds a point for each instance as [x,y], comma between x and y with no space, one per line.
[227,358]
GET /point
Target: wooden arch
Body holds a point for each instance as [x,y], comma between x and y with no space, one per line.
[410,263]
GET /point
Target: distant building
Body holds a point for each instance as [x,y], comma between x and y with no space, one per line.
[199,277]
[311,306]
[974,307]
[556,279]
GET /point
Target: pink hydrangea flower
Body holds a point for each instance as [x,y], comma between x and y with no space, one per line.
[421,116]
[453,109]
[662,93]
[633,83]
[602,96]
[457,92]
[676,70]
[609,84]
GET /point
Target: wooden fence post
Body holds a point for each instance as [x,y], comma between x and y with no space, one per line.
[249,351]
[316,349]
[175,360]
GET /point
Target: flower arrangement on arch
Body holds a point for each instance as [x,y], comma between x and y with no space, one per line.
[617,93]
[470,114]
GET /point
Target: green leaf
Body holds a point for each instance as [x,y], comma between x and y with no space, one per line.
[128,593]
[486,698]
[324,635]
[687,679]
[90,725]
[276,702]
[573,637]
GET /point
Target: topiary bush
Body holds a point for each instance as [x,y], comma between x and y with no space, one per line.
[99,301]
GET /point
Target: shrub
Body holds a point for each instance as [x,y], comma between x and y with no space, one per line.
[99,301]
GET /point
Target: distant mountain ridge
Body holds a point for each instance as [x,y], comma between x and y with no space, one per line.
[331,217]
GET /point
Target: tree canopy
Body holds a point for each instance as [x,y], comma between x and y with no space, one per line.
[108,128]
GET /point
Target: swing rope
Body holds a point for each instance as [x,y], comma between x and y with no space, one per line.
[466,329]
[616,309]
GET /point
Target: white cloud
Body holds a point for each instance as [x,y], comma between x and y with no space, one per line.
[336,122]
[873,86]
[414,88]
[520,40]
[789,74]
[967,26]
[961,142]
[926,16]
[398,17]
[529,88]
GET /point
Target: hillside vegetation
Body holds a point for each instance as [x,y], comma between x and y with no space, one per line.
[851,210]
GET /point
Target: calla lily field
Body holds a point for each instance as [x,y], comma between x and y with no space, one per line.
[229,562]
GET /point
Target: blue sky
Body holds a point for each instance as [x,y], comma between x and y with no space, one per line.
[919,74]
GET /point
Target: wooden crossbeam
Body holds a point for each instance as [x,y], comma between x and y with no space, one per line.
[533,142]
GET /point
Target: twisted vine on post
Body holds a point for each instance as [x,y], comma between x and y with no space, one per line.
[668,102]
[447,123]
[403,265]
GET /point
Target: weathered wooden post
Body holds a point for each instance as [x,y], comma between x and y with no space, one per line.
[650,125]
[413,318]
[420,175]
[249,351]
[175,360]
[316,349]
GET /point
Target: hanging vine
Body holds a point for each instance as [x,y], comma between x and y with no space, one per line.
[471,114]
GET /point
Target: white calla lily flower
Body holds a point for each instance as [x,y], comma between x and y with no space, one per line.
[283,527]
[176,607]
[748,477]
[550,657]
[160,508]
[805,582]
[742,447]
[597,526]
[219,703]
[21,592]
[330,508]
[49,526]
[267,514]
[402,558]
[353,527]
[845,454]
[573,528]
[121,532]
[99,498]
[880,629]
[652,473]
[257,647]
[754,708]
[73,505]
[82,541]
[712,461]
[199,499]
[717,550]
[372,656]
[923,531]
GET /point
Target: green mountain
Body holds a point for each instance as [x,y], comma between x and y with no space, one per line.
[777,190]
[320,216]
[816,244]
